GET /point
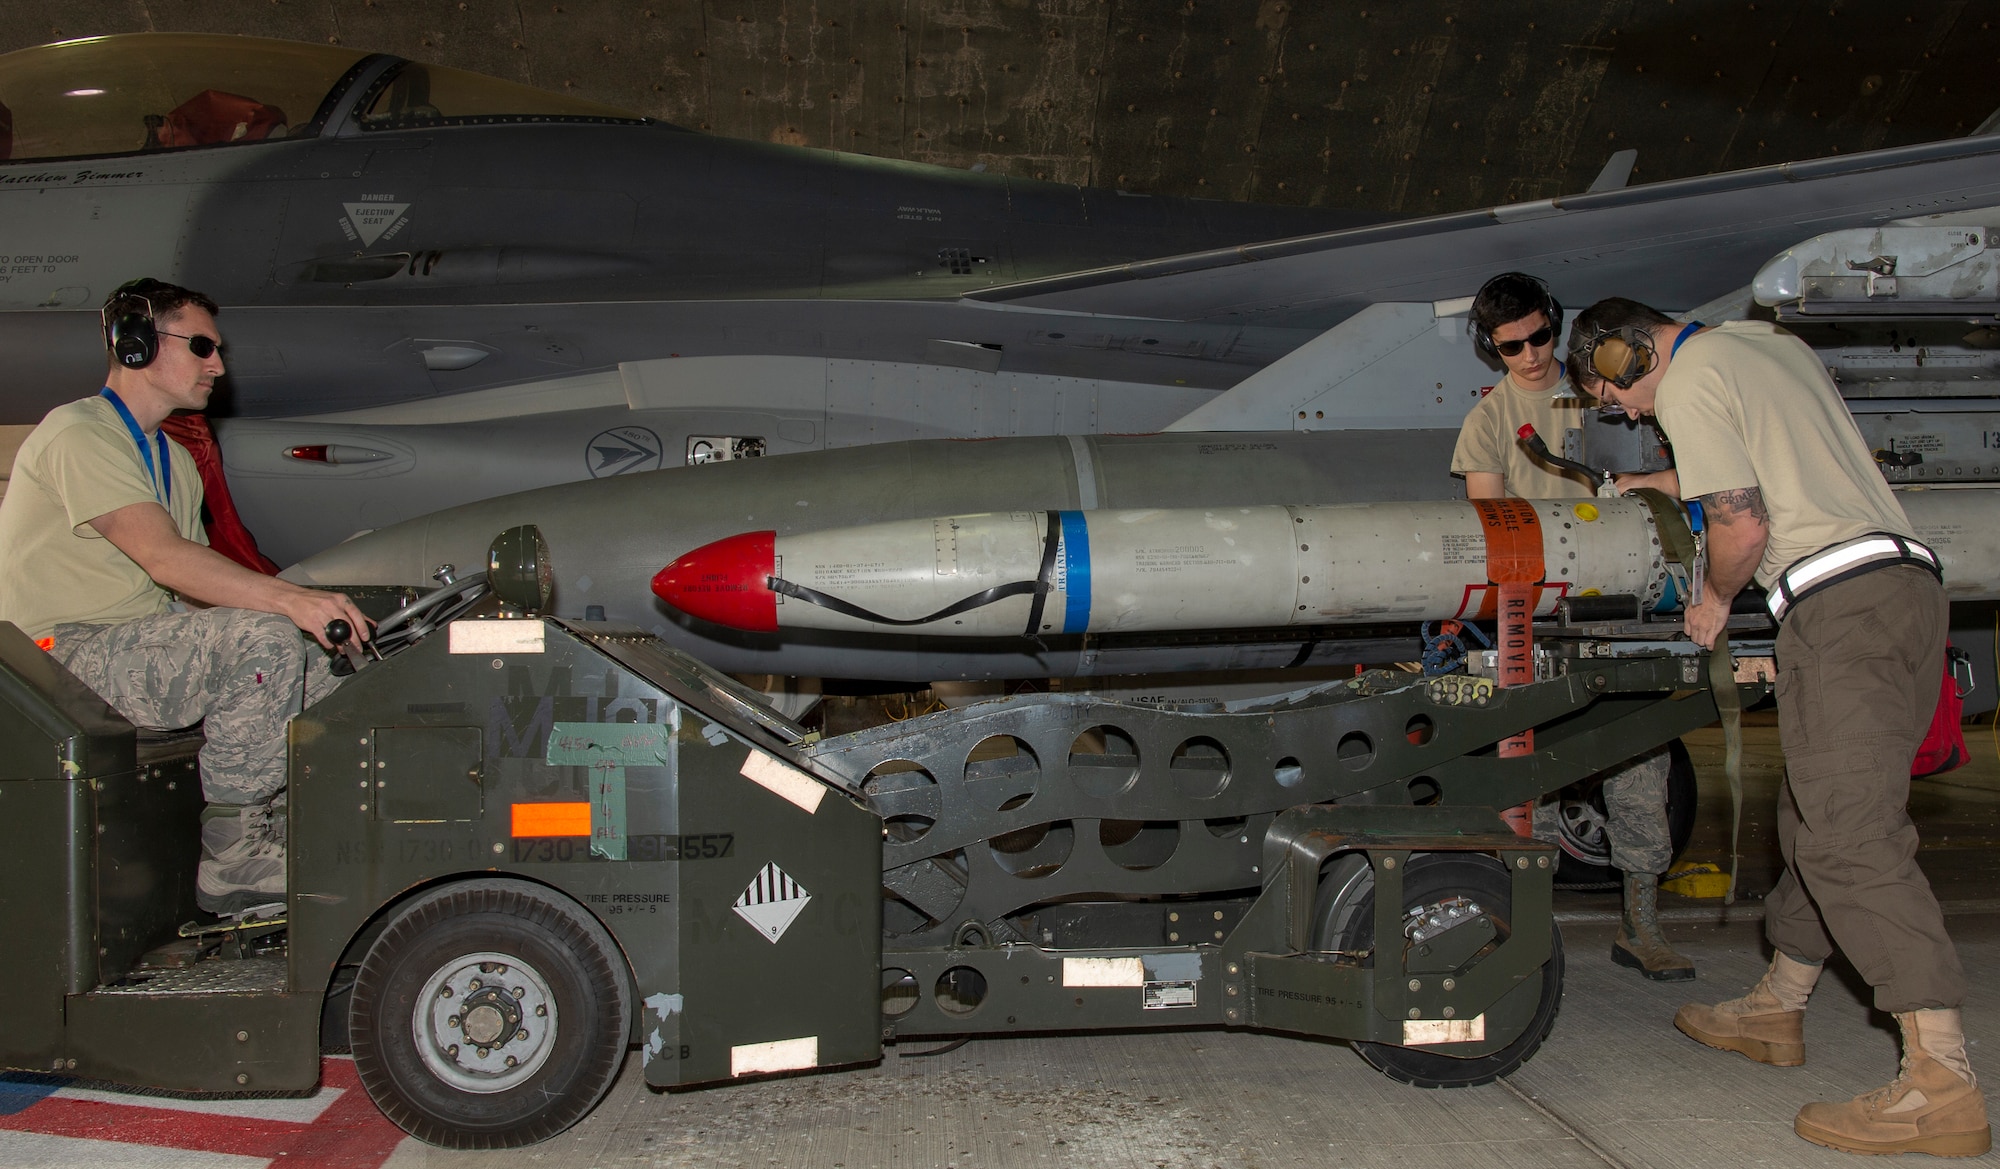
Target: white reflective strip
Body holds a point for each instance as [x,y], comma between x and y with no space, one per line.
[1800,577]
[784,780]
[779,1055]
[1103,972]
[1428,1031]
[1837,559]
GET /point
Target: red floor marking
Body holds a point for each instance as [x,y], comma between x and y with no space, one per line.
[350,1134]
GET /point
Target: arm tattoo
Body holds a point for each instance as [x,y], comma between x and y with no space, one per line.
[1726,507]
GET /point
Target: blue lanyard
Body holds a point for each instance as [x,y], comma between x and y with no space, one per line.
[1686,332]
[162,475]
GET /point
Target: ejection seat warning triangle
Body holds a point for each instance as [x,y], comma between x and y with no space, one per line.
[367,221]
[772,902]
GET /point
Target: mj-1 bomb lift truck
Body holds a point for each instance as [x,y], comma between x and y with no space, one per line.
[520,845]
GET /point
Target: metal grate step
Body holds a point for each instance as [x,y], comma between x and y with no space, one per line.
[216,976]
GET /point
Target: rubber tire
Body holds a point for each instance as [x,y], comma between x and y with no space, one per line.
[585,973]
[1598,872]
[1349,924]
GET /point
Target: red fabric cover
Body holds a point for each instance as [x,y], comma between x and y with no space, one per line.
[215,116]
[6,132]
[226,533]
[1944,746]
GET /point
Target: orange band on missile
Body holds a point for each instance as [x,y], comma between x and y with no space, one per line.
[1514,564]
[552,819]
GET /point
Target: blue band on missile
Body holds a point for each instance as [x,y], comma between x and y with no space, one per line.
[1670,598]
[1076,572]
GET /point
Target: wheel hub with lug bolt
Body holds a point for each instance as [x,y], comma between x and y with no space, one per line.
[485,1022]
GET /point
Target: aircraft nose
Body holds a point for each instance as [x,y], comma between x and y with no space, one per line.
[727,582]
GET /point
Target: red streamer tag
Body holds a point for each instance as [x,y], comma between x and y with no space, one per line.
[1514,567]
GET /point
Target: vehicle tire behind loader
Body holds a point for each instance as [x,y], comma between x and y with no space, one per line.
[489,1014]
[1580,824]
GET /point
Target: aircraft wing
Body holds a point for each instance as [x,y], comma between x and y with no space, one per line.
[1673,244]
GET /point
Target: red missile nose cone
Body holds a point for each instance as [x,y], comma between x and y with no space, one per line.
[725,582]
[1526,432]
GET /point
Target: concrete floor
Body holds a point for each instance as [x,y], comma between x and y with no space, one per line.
[1615,1084]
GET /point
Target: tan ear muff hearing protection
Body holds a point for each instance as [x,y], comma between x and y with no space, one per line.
[1622,356]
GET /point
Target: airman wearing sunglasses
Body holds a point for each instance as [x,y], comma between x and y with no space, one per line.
[1793,499]
[1516,320]
[103,560]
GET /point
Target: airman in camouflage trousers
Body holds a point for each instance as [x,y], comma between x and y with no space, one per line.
[102,527]
[1635,802]
[238,672]
[1635,823]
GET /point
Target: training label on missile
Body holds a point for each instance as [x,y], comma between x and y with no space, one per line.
[855,572]
[1179,556]
[1462,548]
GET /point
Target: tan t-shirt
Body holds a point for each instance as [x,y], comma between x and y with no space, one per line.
[81,463]
[1747,404]
[1487,441]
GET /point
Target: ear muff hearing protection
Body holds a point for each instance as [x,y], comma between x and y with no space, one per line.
[1621,356]
[1523,287]
[130,331]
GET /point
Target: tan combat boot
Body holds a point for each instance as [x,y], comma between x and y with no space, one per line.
[1768,1024]
[1640,944]
[1934,1106]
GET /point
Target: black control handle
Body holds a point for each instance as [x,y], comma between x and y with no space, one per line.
[338,631]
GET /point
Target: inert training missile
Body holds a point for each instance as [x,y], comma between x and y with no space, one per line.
[1068,572]
[608,537]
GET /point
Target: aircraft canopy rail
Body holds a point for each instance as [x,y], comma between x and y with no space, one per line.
[417,95]
[144,92]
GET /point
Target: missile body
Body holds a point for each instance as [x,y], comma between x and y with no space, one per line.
[1122,571]
[1069,572]
[608,537]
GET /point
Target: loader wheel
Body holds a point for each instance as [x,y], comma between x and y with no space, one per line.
[1345,920]
[489,1014]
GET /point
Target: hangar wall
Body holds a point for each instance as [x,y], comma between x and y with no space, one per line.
[1407,108]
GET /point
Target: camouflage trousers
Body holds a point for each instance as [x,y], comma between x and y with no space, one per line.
[240,673]
[1635,814]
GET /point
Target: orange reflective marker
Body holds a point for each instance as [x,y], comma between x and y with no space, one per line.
[552,819]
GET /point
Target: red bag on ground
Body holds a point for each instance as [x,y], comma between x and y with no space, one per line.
[1943,747]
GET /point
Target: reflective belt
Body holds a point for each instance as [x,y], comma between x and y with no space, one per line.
[1845,561]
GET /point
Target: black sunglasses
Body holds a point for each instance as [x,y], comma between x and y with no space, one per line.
[1536,339]
[202,345]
